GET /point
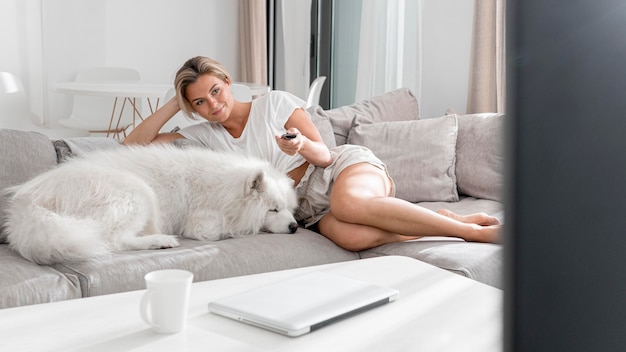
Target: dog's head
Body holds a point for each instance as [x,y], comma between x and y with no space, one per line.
[277,199]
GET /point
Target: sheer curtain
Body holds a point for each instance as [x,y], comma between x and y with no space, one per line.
[389,47]
[253,41]
[487,82]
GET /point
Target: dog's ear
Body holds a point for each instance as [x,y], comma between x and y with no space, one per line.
[256,182]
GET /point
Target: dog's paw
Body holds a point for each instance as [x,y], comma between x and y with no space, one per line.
[160,241]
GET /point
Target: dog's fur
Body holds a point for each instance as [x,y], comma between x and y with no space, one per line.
[141,197]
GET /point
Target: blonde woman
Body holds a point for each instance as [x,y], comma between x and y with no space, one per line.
[346,193]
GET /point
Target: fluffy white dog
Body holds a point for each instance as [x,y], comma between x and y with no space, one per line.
[139,197]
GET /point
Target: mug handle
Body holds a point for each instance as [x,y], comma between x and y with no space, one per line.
[144,308]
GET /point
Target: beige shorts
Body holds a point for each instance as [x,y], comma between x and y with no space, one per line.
[316,184]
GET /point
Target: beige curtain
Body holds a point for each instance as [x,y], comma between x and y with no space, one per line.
[252,41]
[487,81]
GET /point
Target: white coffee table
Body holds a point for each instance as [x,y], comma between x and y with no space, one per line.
[436,311]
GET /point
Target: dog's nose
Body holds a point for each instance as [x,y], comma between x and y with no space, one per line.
[293,227]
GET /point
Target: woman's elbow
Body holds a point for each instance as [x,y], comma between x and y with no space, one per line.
[324,159]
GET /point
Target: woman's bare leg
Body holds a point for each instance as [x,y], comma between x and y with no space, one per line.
[357,237]
[359,197]
[477,218]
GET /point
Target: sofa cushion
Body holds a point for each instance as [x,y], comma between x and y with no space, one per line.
[23,282]
[23,155]
[78,146]
[469,205]
[397,105]
[478,261]
[419,154]
[480,155]
[322,122]
[124,271]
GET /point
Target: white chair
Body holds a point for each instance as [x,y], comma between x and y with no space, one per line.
[15,112]
[313,97]
[103,114]
[240,92]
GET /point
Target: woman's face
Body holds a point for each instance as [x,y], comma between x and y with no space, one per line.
[210,98]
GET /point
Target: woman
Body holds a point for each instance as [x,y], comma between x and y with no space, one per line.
[346,193]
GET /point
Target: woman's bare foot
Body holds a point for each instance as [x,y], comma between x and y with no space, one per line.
[476,218]
[488,234]
[484,228]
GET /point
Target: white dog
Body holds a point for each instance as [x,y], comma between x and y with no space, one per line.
[139,197]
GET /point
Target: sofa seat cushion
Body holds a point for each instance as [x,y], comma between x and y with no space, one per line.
[124,271]
[479,261]
[23,282]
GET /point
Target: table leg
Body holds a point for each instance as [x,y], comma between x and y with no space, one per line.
[136,113]
[156,107]
[112,116]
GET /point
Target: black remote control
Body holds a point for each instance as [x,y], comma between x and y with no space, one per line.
[288,136]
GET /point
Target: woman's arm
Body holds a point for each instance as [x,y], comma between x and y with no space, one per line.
[308,141]
[148,130]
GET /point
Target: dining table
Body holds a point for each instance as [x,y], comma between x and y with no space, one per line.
[128,93]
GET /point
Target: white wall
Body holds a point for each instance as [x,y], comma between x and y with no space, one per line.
[446,48]
[47,41]
[20,40]
[157,36]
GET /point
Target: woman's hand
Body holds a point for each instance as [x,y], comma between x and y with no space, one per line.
[291,145]
[307,141]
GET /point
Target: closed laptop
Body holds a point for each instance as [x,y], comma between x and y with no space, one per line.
[299,305]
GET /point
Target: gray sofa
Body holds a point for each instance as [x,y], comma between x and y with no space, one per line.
[452,162]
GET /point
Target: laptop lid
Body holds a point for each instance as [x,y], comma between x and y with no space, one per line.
[299,305]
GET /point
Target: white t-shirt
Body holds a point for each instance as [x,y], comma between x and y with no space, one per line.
[268,116]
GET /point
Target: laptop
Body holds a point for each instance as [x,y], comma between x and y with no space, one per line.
[302,304]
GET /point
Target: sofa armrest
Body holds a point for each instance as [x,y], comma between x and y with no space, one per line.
[23,155]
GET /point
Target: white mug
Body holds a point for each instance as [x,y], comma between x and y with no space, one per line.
[165,304]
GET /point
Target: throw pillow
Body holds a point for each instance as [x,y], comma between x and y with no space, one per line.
[397,105]
[419,154]
[480,155]
[322,122]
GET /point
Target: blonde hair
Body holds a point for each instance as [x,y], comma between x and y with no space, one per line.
[189,73]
